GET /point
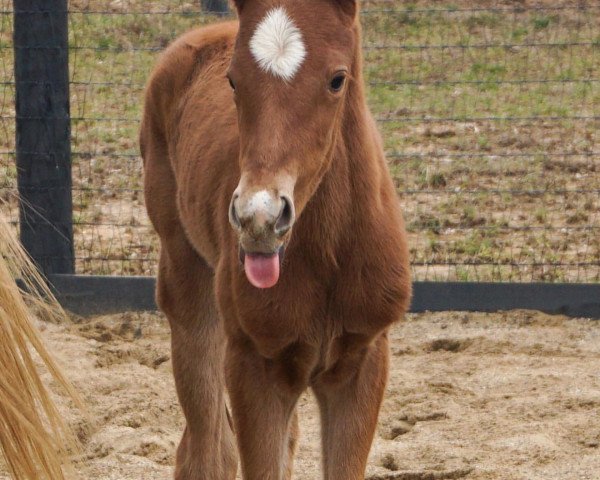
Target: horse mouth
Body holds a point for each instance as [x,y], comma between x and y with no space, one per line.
[262,269]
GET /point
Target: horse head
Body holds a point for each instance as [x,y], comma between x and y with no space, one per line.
[291,71]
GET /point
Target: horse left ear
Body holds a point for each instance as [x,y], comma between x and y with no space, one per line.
[349,7]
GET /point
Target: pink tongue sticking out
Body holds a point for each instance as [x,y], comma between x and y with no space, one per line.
[262,271]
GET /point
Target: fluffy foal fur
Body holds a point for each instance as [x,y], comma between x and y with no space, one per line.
[33,436]
[294,163]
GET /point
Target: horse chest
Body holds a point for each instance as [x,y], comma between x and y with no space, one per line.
[307,314]
[275,321]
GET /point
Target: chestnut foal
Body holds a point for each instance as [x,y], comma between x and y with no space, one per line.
[257,141]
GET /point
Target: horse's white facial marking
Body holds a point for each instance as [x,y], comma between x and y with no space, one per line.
[277,45]
[260,200]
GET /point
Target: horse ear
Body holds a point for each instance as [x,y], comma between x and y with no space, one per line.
[349,7]
[239,4]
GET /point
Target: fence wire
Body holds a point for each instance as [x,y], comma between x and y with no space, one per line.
[490,115]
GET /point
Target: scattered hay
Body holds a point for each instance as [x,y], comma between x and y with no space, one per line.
[33,436]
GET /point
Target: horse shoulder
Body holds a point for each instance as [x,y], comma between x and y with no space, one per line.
[175,70]
[374,287]
[169,85]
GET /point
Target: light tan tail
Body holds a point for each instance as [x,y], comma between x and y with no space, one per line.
[33,435]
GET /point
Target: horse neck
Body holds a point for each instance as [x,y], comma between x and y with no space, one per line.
[350,188]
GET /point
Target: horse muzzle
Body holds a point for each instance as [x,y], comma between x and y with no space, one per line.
[262,220]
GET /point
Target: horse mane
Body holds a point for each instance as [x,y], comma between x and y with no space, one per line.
[34,438]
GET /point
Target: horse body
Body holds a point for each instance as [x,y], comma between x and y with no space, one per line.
[344,277]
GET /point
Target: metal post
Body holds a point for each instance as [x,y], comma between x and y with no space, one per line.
[43,132]
[215,6]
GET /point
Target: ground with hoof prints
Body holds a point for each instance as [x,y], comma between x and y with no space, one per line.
[476,396]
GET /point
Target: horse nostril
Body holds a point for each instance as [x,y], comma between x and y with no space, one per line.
[286,216]
[233,216]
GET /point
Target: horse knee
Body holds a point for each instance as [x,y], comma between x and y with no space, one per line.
[193,465]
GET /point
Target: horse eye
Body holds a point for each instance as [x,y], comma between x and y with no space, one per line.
[337,83]
[231,84]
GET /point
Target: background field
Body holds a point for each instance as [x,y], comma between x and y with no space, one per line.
[490,113]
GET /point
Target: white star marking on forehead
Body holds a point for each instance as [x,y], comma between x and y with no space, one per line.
[277,45]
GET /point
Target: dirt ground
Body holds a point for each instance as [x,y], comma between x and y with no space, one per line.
[477,396]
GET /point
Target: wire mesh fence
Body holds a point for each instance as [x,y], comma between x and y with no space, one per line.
[490,117]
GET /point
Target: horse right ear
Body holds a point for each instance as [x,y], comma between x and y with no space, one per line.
[239,4]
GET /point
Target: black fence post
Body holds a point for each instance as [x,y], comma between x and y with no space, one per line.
[43,132]
[215,6]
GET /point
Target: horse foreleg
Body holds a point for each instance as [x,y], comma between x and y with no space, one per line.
[185,294]
[264,414]
[291,447]
[349,408]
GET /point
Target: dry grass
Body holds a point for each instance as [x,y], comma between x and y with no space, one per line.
[34,437]
[489,138]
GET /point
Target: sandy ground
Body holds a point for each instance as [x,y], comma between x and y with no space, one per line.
[477,396]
